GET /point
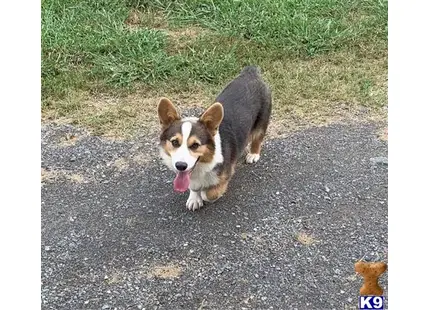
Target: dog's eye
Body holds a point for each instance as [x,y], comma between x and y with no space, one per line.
[194,146]
[175,143]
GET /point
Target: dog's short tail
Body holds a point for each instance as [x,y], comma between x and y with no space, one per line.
[255,70]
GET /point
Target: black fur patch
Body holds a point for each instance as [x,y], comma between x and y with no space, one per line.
[247,104]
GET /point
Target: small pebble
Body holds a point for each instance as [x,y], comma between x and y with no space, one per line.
[379,161]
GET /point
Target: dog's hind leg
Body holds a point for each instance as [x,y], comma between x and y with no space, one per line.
[254,151]
[258,132]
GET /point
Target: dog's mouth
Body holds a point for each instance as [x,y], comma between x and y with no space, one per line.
[182,180]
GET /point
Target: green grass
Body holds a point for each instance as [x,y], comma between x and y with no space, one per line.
[318,50]
[299,27]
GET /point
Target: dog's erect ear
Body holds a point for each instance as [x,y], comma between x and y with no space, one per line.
[212,117]
[167,112]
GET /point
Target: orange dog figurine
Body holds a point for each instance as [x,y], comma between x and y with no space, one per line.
[371,272]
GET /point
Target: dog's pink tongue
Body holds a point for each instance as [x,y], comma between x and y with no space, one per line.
[181,182]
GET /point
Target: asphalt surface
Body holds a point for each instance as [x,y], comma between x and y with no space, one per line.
[285,236]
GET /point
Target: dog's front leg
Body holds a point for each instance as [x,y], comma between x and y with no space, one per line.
[195,201]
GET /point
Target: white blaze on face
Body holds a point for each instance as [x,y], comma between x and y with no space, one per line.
[182,154]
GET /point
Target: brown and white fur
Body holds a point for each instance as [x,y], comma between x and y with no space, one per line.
[203,151]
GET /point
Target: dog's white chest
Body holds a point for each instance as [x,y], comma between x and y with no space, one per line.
[201,179]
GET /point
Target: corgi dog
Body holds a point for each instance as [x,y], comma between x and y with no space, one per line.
[203,151]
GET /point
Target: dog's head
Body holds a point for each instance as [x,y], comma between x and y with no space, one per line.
[187,142]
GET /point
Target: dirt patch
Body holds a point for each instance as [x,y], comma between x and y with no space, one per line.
[114,278]
[69,139]
[149,19]
[75,177]
[171,271]
[120,164]
[352,277]
[133,19]
[305,239]
[51,176]
[190,32]
[383,134]
[180,38]
[123,163]
[141,158]
[48,176]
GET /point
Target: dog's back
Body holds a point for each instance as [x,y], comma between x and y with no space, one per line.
[247,106]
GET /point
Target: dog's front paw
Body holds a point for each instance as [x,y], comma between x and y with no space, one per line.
[195,201]
[252,158]
[194,204]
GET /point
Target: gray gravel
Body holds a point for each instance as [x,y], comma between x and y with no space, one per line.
[285,236]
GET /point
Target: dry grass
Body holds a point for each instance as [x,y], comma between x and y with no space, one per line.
[324,90]
[123,118]
[119,117]
[104,115]
[327,89]
[170,271]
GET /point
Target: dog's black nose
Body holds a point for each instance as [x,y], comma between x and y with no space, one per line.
[181,166]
